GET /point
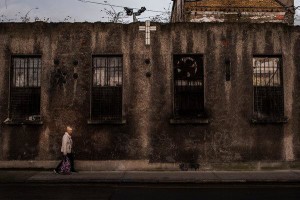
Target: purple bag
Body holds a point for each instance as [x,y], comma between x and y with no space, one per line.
[65,166]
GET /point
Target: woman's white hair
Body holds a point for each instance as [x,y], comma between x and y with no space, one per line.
[69,128]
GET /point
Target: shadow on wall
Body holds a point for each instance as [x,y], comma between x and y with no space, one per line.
[23,142]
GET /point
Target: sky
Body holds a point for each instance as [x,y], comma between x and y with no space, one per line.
[77,11]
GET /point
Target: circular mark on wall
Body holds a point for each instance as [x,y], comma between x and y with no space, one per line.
[147,61]
[56,61]
[75,76]
[148,74]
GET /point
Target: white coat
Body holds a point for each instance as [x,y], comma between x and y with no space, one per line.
[66,146]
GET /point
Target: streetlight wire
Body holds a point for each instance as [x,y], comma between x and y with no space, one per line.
[107,4]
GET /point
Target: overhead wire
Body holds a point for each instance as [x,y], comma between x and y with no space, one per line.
[117,6]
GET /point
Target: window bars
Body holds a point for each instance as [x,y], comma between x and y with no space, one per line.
[25,88]
[188,86]
[107,88]
[268,88]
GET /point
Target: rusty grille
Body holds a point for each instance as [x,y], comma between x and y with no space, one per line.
[107,88]
[188,86]
[268,88]
[25,90]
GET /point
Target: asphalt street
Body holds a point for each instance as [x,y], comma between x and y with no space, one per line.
[150,191]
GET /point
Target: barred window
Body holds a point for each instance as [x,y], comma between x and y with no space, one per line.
[188,86]
[268,88]
[25,88]
[107,88]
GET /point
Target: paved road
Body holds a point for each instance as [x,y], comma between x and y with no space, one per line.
[149,192]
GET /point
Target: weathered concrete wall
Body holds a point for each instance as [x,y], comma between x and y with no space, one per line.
[177,11]
[147,101]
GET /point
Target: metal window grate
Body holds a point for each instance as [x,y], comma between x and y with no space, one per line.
[268,89]
[107,88]
[25,87]
[188,86]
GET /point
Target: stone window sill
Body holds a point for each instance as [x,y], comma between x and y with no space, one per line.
[189,121]
[282,120]
[106,122]
[22,122]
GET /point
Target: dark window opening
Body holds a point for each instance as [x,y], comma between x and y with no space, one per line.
[188,86]
[25,88]
[107,88]
[268,88]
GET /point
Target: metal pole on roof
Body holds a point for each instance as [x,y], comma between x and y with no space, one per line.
[129,12]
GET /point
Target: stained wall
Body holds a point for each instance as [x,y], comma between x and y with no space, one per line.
[229,135]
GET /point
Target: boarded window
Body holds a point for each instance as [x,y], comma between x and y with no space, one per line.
[188,86]
[25,88]
[107,88]
[268,88]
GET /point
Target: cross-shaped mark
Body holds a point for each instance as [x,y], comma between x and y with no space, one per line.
[147,29]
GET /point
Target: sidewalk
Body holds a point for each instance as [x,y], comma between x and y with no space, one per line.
[48,177]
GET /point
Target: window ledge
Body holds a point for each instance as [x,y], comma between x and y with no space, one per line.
[117,122]
[23,122]
[282,120]
[189,121]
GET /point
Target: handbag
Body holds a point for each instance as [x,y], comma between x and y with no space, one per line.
[65,166]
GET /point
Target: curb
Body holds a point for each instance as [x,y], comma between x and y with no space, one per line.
[134,177]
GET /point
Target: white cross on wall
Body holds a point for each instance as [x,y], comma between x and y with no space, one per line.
[147,29]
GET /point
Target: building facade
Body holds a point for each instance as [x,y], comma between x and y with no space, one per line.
[199,93]
[254,11]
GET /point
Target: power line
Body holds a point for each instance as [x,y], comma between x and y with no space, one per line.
[116,6]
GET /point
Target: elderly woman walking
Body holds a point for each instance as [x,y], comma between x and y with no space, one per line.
[66,166]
